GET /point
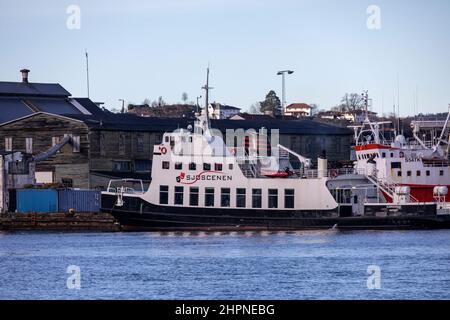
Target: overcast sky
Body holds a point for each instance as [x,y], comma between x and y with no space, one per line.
[145,49]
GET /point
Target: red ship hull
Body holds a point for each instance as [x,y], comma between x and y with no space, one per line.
[423,193]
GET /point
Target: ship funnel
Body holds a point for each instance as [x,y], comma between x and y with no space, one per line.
[322,165]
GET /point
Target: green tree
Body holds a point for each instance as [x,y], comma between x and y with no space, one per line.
[271,104]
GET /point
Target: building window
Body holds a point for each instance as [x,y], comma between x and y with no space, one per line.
[225,197]
[166,165]
[163,194]
[122,166]
[209,197]
[142,165]
[289,198]
[29,145]
[178,166]
[67,182]
[76,144]
[418,173]
[441,172]
[207,166]
[178,196]
[399,173]
[140,143]
[55,141]
[392,154]
[217,167]
[240,198]
[121,144]
[408,173]
[8,144]
[273,198]
[102,144]
[383,155]
[230,166]
[428,173]
[256,198]
[192,166]
[193,196]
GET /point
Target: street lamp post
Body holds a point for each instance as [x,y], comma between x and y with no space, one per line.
[283,87]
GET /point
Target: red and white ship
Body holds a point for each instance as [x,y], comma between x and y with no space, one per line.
[420,166]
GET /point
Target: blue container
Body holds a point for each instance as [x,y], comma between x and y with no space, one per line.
[37,200]
[79,200]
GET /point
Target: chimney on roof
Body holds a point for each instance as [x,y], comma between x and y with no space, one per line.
[25,75]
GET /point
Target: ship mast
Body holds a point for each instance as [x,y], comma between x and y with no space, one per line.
[206,87]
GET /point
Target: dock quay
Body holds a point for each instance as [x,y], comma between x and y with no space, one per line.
[102,222]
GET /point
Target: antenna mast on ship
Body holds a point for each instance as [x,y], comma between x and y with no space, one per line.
[207,88]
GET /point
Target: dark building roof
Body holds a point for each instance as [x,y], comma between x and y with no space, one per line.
[126,122]
[303,126]
[32,89]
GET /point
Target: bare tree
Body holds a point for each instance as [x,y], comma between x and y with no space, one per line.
[351,102]
[255,108]
[314,109]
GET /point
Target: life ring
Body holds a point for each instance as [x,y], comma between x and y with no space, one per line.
[163,150]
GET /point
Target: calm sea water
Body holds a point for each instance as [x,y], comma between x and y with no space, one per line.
[301,265]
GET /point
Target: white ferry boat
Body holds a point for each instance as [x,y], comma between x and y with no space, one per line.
[198,183]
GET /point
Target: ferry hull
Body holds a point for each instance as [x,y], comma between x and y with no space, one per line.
[138,215]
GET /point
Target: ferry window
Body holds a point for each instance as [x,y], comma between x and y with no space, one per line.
[399,174]
[408,173]
[240,198]
[178,196]
[418,173]
[256,198]
[383,155]
[355,199]
[273,198]
[392,154]
[193,196]
[441,172]
[207,166]
[428,173]
[166,138]
[209,197]
[163,194]
[396,165]
[217,166]
[230,166]
[192,166]
[178,166]
[165,165]
[225,197]
[289,198]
